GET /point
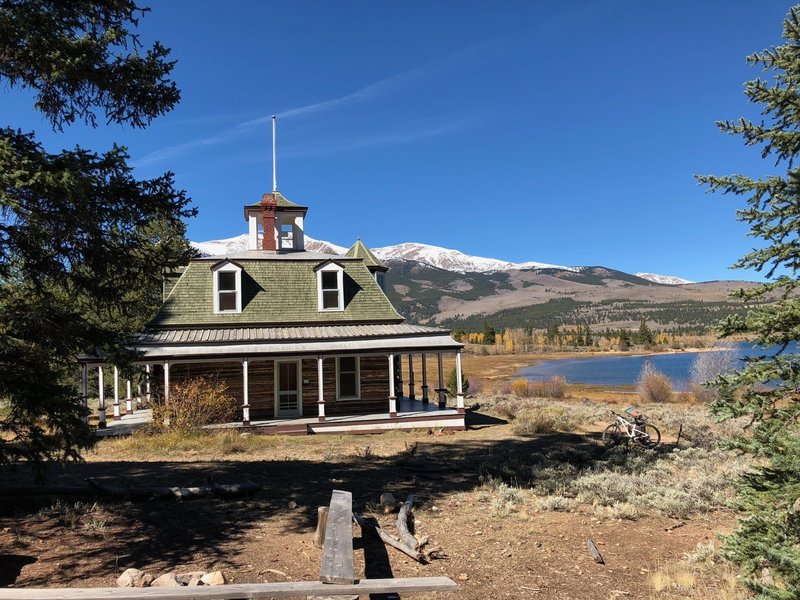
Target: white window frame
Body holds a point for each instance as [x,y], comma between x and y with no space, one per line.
[332,267]
[227,267]
[358,378]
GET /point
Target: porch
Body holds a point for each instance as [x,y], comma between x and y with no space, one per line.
[411,414]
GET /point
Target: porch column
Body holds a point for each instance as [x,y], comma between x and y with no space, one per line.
[441,390]
[459,391]
[101,395]
[320,396]
[117,416]
[392,397]
[399,390]
[411,395]
[139,394]
[166,381]
[424,379]
[245,392]
[147,383]
[85,392]
[128,398]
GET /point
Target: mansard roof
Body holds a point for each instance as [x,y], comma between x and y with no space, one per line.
[277,290]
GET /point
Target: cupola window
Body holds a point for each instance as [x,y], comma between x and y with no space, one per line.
[227,288]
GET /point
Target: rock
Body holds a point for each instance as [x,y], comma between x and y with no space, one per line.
[766,577]
[134,578]
[195,581]
[214,578]
[463,577]
[388,502]
[292,504]
[166,580]
[185,578]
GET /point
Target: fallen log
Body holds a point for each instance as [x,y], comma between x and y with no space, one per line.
[173,493]
[389,539]
[153,493]
[402,524]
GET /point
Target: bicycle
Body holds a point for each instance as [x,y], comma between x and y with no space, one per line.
[622,429]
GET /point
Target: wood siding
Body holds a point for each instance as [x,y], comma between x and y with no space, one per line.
[374,385]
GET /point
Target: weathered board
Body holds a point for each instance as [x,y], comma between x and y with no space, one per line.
[337,551]
[239,590]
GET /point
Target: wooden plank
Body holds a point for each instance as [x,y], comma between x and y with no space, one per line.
[337,551]
[238,590]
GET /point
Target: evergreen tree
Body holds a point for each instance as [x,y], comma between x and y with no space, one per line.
[769,536]
[644,336]
[82,242]
[452,383]
[489,335]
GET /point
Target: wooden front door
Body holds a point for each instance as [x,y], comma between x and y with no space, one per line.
[288,400]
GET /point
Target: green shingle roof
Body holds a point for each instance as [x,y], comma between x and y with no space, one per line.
[359,250]
[280,201]
[274,292]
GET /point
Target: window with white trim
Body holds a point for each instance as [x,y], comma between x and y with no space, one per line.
[330,289]
[227,289]
[348,378]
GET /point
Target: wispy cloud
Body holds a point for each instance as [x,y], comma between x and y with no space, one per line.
[383,87]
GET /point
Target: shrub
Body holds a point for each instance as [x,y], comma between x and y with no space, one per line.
[653,385]
[452,383]
[547,419]
[555,387]
[193,403]
[520,388]
[508,408]
[707,367]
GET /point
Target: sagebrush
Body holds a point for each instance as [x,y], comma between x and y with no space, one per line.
[193,403]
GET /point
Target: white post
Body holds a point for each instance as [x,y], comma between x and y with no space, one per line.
[459,391]
[101,409]
[392,397]
[320,396]
[424,379]
[139,394]
[85,392]
[411,395]
[166,381]
[147,383]
[128,398]
[441,389]
[246,392]
[117,416]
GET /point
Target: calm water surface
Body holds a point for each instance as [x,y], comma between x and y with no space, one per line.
[624,370]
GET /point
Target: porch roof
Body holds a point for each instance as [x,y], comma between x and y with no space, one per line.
[234,342]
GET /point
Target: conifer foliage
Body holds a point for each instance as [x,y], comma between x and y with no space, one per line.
[766,390]
[82,241]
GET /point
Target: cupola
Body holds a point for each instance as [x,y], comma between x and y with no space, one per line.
[275,224]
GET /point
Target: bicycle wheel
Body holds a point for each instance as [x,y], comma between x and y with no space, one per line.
[613,435]
[650,436]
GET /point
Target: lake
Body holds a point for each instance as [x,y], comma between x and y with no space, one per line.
[624,370]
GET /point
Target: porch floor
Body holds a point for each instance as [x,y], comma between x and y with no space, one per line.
[409,412]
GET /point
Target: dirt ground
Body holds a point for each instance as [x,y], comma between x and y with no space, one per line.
[521,554]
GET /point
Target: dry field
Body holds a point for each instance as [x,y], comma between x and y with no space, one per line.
[511,504]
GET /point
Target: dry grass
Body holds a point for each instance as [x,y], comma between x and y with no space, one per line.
[653,386]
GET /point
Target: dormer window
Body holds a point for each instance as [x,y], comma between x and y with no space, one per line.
[227,288]
[330,277]
[381,279]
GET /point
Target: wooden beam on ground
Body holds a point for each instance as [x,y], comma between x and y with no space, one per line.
[402,524]
[337,551]
[253,591]
[390,540]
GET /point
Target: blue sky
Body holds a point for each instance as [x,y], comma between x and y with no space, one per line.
[564,132]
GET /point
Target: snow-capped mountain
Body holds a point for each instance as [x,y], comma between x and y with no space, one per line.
[453,260]
[436,256]
[663,279]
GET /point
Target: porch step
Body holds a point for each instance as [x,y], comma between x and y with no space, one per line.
[291,429]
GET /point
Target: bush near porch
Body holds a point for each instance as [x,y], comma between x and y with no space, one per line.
[193,403]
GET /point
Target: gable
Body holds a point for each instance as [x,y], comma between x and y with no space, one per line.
[275,292]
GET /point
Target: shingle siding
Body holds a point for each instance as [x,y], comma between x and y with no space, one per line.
[274,292]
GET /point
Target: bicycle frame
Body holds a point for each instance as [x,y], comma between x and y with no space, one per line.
[630,427]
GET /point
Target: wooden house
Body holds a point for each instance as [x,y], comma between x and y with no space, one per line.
[309,342]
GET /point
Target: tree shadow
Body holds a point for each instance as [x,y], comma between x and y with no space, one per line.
[11,567]
[179,532]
